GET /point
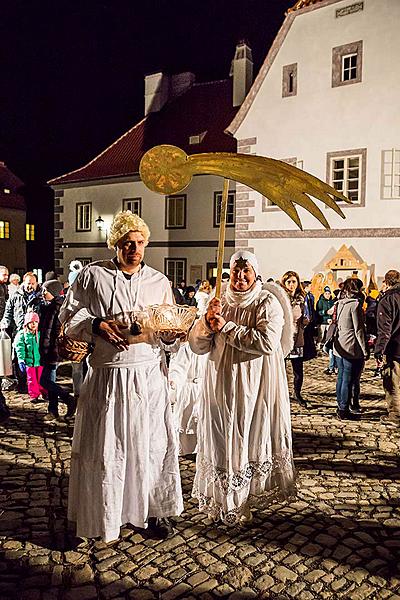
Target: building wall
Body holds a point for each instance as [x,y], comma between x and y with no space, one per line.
[197,243]
[13,250]
[322,119]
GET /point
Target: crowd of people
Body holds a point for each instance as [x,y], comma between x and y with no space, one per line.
[219,391]
[29,317]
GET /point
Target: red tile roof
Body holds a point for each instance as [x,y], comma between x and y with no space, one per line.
[205,107]
[11,182]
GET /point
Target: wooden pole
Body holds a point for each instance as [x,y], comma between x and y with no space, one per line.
[221,240]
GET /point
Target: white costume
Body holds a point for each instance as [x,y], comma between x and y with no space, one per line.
[244,454]
[124,465]
[202,299]
[186,377]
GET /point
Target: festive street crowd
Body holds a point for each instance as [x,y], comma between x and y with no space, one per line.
[143,396]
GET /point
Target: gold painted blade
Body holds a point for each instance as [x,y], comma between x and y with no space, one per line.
[169,170]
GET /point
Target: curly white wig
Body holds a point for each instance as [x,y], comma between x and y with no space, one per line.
[123,222]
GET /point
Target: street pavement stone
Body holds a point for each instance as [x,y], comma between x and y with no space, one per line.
[338,538]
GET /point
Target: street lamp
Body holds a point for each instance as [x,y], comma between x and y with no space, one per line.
[100,223]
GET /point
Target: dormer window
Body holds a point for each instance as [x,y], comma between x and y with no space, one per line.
[197,139]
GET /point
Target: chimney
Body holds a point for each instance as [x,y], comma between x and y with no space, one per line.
[180,82]
[156,90]
[242,71]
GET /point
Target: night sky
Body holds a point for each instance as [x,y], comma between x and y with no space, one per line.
[72,71]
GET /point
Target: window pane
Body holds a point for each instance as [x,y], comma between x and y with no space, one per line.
[338,164]
[354,162]
[353,196]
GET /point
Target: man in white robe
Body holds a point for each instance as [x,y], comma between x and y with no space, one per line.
[124,464]
[244,452]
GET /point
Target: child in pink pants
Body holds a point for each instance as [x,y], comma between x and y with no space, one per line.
[26,345]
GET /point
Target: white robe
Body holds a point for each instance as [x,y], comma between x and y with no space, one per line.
[124,464]
[186,377]
[244,455]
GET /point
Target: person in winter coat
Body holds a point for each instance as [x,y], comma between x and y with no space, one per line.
[351,349]
[13,286]
[26,345]
[291,283]
[50,327]
[387,347]
[189,297]
[324,313]
[26,298]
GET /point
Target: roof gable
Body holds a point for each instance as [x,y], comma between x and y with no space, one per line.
[300,7]
[204,110]
[9,181]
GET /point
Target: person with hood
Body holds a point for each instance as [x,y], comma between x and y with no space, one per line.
[350,349]
[75,267]
[14,281]
[26,346]
[49,328]
[244,451]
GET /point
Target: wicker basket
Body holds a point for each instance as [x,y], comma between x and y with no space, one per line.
[71,350]
[171,317]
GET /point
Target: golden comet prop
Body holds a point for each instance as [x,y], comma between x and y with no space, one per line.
[169,170]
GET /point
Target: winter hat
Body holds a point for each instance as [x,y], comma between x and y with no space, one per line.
[53,286]
[244,255]
[327,288]
[31,317]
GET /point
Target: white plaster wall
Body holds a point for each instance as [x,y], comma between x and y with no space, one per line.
[107,199]
[276,256]
[323,119]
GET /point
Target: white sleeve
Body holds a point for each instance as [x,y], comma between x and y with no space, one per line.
[265,337]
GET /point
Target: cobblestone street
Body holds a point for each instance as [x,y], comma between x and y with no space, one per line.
[340,538]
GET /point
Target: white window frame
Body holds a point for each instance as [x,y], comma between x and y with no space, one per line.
[173,206]
[133,204]
[176,269]
[346,156]
[350,69]
[230,209]
[344,184]
[83,216]
[390,174]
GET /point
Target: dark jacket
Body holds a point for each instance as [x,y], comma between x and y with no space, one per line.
[18,305]
[350,341]
[3,298]
[388,340]
[49,328]
[323,305]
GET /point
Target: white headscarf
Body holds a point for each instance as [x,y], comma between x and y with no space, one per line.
[245,255]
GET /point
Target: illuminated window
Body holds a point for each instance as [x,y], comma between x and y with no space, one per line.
[7,191]
[29,232]
[4,230]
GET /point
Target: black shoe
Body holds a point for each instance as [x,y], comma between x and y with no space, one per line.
[71,408]
[355,409]
[160,528]
[346,415]
[299,398]
[329,372]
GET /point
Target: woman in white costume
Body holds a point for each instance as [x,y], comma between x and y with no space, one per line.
[124,466]
[244,455]
[186,376]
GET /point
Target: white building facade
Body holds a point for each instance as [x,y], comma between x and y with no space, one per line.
[184,227]
[327,100]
